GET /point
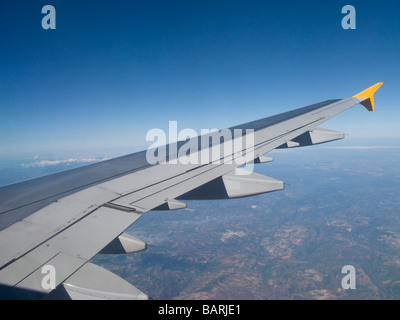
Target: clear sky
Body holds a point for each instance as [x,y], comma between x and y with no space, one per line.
[113,70]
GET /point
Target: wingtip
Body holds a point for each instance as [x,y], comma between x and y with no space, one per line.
[366,97]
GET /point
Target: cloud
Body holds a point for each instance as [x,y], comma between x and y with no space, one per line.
[45,163]
[363,147]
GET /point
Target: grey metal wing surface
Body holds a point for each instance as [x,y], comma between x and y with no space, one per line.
[54,225]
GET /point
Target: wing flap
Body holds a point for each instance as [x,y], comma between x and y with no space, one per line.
[37,284]
[67,250]
[92,282]
[49,221]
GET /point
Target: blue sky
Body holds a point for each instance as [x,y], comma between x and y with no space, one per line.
[113,70]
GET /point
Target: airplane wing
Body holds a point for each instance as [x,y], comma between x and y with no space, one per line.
[52,226]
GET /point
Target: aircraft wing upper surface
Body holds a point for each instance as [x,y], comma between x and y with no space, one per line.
[63,220]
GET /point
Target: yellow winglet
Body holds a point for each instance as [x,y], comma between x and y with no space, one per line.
[367,96]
